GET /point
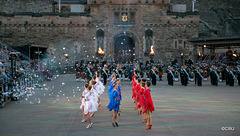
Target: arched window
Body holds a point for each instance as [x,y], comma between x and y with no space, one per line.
[100,38]
[148,37]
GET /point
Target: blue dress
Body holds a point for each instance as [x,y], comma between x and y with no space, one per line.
[119,91]
[114,101]
[110,89]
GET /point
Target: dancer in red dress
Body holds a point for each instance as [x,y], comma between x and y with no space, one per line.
[135,74]
[137,97]
[134,84]
[133,89]
[141,104]
[148,105]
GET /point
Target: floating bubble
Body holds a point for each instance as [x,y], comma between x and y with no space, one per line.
[44,84]
[63,83]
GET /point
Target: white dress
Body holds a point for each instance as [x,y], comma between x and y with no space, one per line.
[87,103]
[83,98]
[91,104]
[99,86]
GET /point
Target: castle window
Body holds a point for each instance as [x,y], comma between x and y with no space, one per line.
[154,1]
[100,38]
[184,44]
[148,37]
[132,17]
[116,18]
[175,44]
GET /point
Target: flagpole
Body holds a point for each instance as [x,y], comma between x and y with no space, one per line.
[59,5]
[193,1]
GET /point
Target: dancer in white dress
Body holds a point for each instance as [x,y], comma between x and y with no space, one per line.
[83,101]
[95,96]
[90,105]
[99,86]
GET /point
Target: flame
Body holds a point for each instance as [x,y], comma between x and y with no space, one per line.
[199,54]
[151,50]
[234,55]
[100,51]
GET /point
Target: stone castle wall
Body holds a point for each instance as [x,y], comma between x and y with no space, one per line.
[217,17]
[76,34]
[10,6]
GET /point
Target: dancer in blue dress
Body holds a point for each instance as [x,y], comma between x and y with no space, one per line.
[120,94]
[110,89]
[114,103]
[119,89]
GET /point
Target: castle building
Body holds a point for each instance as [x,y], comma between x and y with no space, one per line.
[118,30]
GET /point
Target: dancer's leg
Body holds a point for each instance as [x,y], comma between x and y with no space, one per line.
[116,116]
[113,117]
[147,117]
[150,119]
[88,118]
[83,117]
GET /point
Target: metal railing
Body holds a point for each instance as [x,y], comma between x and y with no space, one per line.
[19,87]
[14,50]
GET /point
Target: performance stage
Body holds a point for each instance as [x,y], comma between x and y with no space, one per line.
[179,111]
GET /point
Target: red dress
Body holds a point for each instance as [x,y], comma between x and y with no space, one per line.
[148,103]
[133,89]
[137,89]
[133,78]
[141,98]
